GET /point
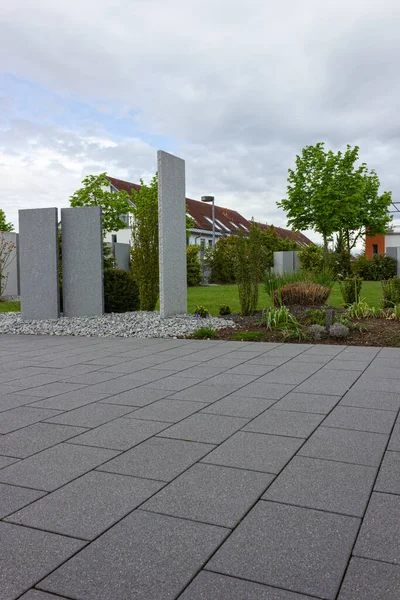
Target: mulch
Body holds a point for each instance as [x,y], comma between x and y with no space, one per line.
[365,332]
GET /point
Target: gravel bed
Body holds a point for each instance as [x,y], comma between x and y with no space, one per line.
[134,324]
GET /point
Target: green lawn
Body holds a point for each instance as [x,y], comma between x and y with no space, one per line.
[213,296]
[9,306]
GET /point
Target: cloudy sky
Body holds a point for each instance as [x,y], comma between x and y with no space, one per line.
[235,87]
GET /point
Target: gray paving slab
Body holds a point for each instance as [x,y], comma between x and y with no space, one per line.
[389,474]
[37,595]
[168,410]
[210,494]
[329,381]
[268,359]
[207,585]
[54,467]
[199,371]
[158,458]
[28,555]
[116,386]
[35,438]
[174,383]
[345,445]
[211,429]
[324,485]
[298,549]
[285,422]
[288,374]
[203,393]
[256,451]
[370,580]
[313,403]
[272,391]
[16,418]
[137,397]
[87,506]
[372,383]
[394,443]
[324,350]
[361,419]
[230,379]
[383,372]
[9,401]
[348,365]
[250,369]
[91,415]
[7,460]
[13,374]
[372,399]
[12,498]
[70,400]
[380,531]
[143,556]
[50,389]
[365,351]
[238,406]
[120,434]
[91,378]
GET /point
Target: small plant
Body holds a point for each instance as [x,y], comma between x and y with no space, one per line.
[224,310]
[350,288]
[317,332]
[394,313]
[275,317]
[314,317]
[361,310]
[303,293]
[201,311]
[391,292]
[338,330]
[205,333]
[247,336]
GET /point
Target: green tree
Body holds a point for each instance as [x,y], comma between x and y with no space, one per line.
[95,191]
[193,265]
[249,265]
[329,193]
[4,226]
[144,252]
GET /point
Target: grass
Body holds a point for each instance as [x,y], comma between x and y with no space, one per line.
[213,296]
[10,307]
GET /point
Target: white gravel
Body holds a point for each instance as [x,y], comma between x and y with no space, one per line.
[134,324]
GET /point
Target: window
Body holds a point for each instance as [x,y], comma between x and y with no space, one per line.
[114,238]
[243,226]
[234,224]
[210,242]
[374,248]
[124,219]
[222,225]
[210,221]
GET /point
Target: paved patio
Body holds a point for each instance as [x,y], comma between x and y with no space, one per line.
[160,469]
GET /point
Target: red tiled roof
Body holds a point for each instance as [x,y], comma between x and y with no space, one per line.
[226,220]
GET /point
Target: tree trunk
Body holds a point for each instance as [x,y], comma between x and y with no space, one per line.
[326,250]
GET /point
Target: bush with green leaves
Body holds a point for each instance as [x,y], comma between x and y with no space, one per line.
[274,282]
[391,292]
[350,288]
[121,292]
[224,310]
[220,260]
[193,266]
[201,311]
[362,310]
[205,333]
[311,258]
[249,264]
[274,318]
[377,268]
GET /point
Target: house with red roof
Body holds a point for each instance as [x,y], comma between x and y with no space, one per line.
[227,221]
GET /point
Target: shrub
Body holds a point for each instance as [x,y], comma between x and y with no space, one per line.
[220,260]
[205,333]
[338,330]
[303,293]
[273,318]
[326,277]
[391,292]
[193,266]
[121,292]
[224,309]
[361,310]
[201,311]
[274,282]
[311,258]
[314,317]
[249,262]
[376,268]
[350,288]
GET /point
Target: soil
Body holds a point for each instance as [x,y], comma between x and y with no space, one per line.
[364,332]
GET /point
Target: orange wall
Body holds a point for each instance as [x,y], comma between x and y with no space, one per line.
[376,239]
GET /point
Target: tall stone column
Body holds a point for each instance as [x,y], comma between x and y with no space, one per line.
[172,234]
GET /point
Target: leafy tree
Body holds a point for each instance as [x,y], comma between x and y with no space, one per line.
[95,191]
[249,265]
[193,265]
[144,252]
[329,193]
[4,226]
